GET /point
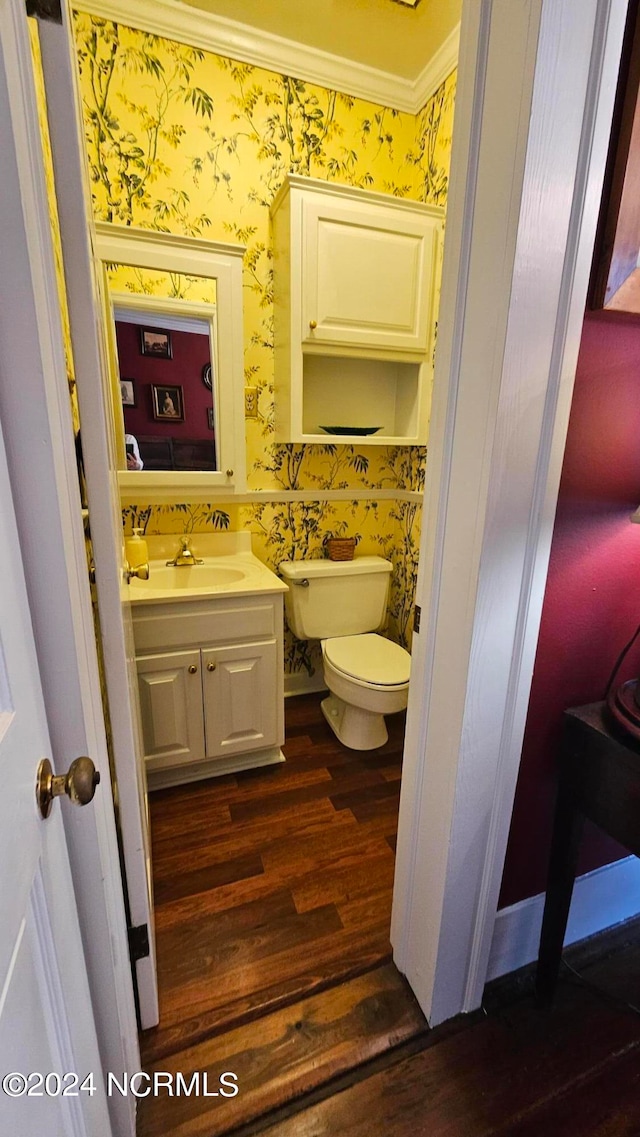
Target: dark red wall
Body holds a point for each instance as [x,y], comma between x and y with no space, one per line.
[592,597]
[191,351]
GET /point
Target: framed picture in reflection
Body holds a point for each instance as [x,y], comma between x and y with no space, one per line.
[156,342]
[167,403]
[128,392]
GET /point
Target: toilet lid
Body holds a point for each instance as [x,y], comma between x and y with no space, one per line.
[369,658]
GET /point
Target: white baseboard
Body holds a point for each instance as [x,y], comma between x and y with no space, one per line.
[299,683]
[601,898]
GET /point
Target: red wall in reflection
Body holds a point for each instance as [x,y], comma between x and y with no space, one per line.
[191,351]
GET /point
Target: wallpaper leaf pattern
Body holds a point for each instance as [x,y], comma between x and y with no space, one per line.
[189,142]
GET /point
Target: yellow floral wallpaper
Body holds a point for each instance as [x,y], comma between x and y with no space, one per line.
[190,142]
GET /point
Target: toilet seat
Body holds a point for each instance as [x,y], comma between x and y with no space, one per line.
[369,660]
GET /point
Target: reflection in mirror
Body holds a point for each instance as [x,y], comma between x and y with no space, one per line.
[174,335]
[165,340]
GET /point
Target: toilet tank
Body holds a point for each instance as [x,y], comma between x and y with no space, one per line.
[336,598]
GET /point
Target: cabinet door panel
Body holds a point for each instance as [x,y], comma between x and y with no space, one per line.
[368,277]
[240,698]
[171,706]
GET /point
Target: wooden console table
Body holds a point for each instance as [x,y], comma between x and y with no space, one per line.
[599,779]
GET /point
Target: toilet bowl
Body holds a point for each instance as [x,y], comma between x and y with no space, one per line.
[343,604]
[368,677]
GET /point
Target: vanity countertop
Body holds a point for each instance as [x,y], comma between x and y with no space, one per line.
[239,575]
[230,569]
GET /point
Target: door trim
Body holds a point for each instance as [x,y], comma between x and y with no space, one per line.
[525,191]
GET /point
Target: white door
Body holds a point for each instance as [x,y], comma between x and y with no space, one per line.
[90,355]
[46,1018]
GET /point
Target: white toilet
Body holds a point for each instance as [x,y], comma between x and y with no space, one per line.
[342,604]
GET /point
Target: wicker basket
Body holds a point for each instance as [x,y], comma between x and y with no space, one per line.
[341,548]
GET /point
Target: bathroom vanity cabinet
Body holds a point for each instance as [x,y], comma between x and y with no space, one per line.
[355,289]
[211,682]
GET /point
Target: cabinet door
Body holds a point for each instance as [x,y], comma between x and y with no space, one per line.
[171,705]
[368,276]
[240,698]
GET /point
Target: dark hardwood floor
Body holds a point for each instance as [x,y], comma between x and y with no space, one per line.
[517,1071]
[273,894]
[273,884]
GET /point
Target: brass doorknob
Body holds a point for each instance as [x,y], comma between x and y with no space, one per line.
[79,784]
[313,325]
[192,668]
[211,665]
[142,571]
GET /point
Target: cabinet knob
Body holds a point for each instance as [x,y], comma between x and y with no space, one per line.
[313,325]
[211,665]
[229,473]
[192,669]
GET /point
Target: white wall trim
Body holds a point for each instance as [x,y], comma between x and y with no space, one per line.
[438,69]
[130,493]
[601,898]
[222,36]
[299,683]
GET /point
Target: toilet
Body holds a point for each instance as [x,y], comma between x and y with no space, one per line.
[343,604]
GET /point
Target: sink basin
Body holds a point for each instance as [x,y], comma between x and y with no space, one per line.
[189,576]
[237,574]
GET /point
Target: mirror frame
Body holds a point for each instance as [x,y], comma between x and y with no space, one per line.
[193,256]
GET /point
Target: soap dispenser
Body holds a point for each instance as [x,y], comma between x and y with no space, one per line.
[136,549]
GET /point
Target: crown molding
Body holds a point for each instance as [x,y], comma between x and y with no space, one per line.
[437,69]
[180,22]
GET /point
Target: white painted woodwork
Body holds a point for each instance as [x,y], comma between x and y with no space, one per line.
[368,274]
[602,898]
[90,354]
[211,32]
[34,401]
[355,278]
[46,1017]
[240,698]
[194,256]
[524,194]
[171,706]
[204,722]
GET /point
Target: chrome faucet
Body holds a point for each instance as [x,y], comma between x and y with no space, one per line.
[185,555]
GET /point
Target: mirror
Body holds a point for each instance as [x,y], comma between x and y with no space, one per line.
[173,316]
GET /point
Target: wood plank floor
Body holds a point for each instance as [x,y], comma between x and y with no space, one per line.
[571,1071]
[287,1054]
[274,884]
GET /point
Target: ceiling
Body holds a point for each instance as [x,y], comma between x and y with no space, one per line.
[378,33]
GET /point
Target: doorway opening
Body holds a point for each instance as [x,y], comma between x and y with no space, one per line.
[274,885]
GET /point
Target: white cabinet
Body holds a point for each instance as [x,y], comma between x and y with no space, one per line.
[171,708]
[240,698]
[367,273]
[217,705]
[355,288]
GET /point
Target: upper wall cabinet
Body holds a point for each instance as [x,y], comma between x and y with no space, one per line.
[355,285]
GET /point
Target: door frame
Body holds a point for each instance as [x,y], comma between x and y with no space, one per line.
[42,467]
[521,218]
[510,322]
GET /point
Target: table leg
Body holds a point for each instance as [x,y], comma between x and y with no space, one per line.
[567,831]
